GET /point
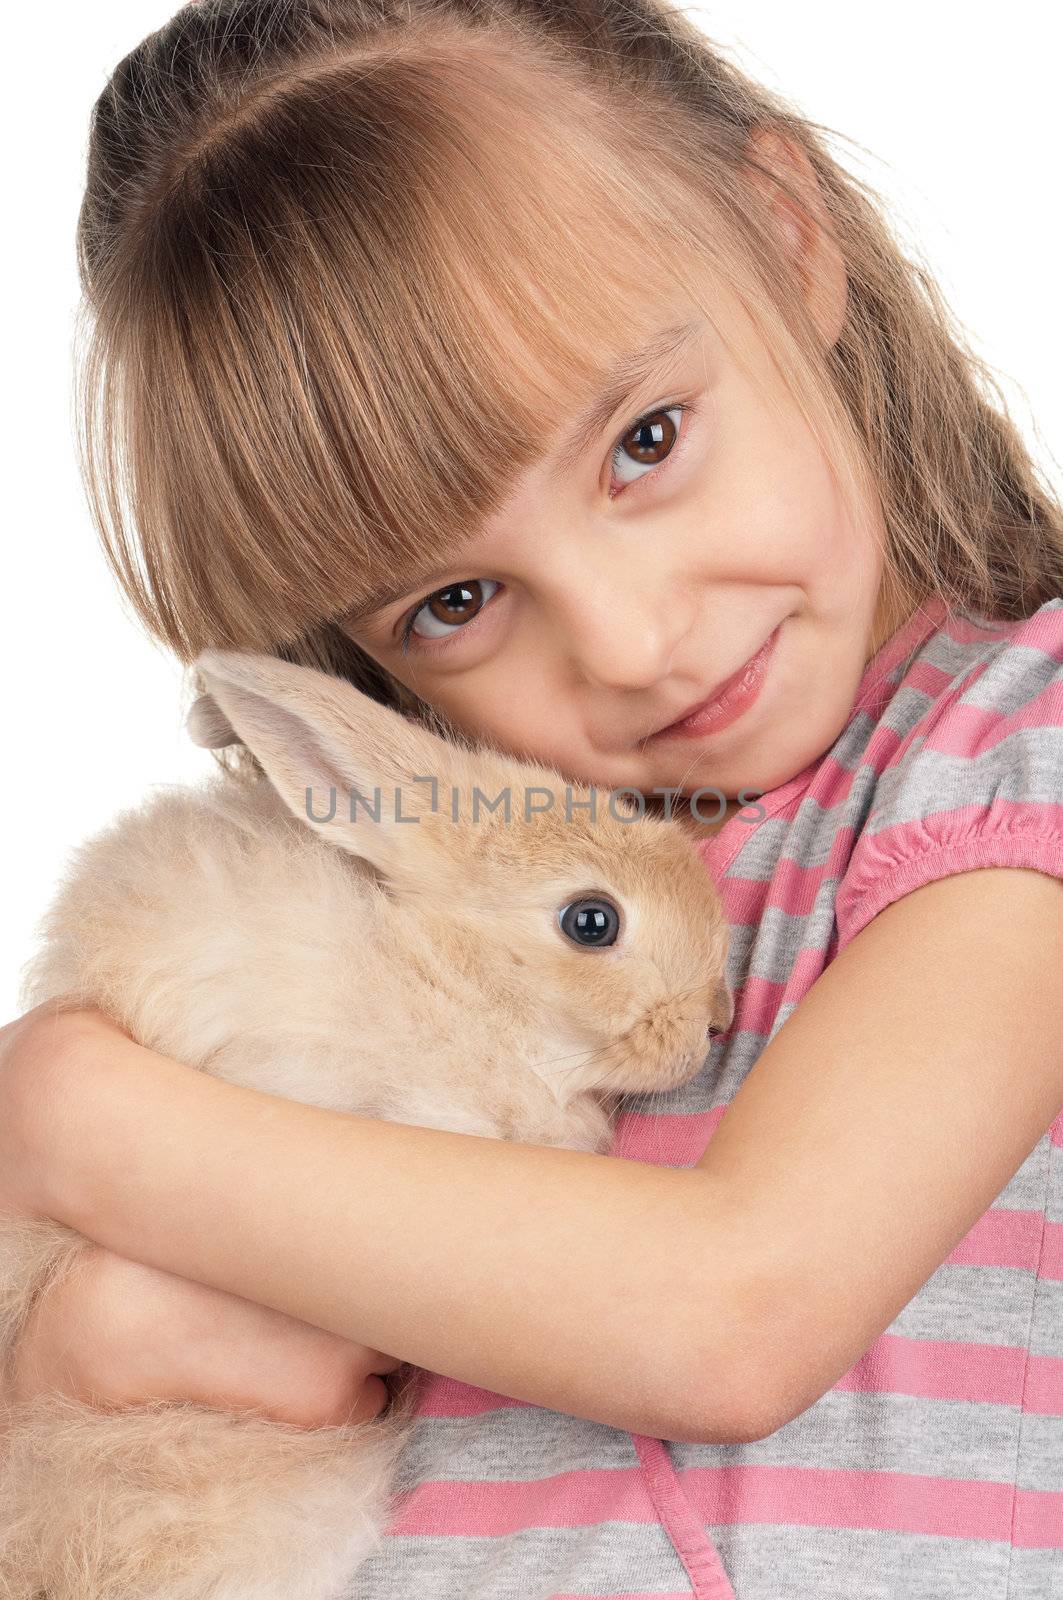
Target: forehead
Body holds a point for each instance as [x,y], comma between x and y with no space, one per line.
[513,343]
[654,357]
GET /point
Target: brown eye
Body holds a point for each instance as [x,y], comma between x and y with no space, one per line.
[451,608]
[647,444]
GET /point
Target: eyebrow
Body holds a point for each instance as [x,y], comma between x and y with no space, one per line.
[623,378]
[629,373]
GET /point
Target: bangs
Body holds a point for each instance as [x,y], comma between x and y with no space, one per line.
[357,312]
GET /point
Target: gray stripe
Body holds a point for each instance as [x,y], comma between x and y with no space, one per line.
[512,1442]
[1036,1575]
[1024,765]
[1041,1466]
[944,1438]
[972,1305]
[785,1562]
[1046,1334]
[1054,1206]
[611,1558]
[1028,1188]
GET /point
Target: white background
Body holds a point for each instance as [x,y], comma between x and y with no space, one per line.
[955,107]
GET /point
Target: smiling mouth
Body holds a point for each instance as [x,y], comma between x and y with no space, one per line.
[726,702]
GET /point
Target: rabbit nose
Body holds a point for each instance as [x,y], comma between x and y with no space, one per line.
[721,1007]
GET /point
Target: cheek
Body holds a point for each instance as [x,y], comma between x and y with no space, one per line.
[809,536]
[496,707]
[767,492]
[847,565]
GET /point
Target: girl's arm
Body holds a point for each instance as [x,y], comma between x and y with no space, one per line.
[117,1333]
[900,1097]
[586,1284]
[712,1303]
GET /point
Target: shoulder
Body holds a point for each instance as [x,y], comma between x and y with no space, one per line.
[974,774]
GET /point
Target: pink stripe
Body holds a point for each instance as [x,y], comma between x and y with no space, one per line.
[894,1502]
[757,1002]
[743,900]
[446,1397]
[804,970]
[964,632]
[890,1502]
[1052,1252]
[720,849]
[969,731]
[928,679]
[1038,1520]
[793,887]
[1044,633]
[1041,633]
[1057,1130]
[886,878]
[940,1369]
[643,1136]
[905,841]
[1044,1386]
[566,1500]
[1002,1237]
[885,747]
[874,685]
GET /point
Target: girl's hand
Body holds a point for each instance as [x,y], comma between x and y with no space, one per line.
[115,1333]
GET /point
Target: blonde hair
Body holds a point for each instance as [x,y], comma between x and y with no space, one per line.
[344,263]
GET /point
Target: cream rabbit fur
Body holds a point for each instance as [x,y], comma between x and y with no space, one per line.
[422,973]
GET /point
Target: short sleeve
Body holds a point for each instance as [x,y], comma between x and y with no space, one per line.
[977,782]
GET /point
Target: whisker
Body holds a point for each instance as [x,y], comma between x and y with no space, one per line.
[581,1057]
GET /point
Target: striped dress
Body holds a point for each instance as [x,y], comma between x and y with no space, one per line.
[934,1467]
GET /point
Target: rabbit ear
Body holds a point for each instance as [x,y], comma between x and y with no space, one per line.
[207,726]
[354,770]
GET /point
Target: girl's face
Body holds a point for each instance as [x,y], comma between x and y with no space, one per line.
[619,586]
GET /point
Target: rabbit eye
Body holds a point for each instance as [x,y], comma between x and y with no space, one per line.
[592,922]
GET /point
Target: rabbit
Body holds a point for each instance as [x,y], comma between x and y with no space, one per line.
[504,976]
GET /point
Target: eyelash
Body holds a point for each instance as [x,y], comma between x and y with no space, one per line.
[435,645]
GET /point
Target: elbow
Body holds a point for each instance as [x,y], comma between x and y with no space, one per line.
[736,1393]
[698,1397]
[725,1411]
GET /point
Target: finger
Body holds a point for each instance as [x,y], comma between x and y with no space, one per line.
[386,1364]
[373,1397]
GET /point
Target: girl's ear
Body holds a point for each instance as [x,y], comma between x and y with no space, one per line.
[803,225]
[360,774]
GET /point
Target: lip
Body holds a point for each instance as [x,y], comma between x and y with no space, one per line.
[730,701]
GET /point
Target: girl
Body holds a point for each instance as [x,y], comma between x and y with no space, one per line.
[530,365]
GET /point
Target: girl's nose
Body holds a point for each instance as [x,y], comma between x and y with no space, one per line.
[623,632]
